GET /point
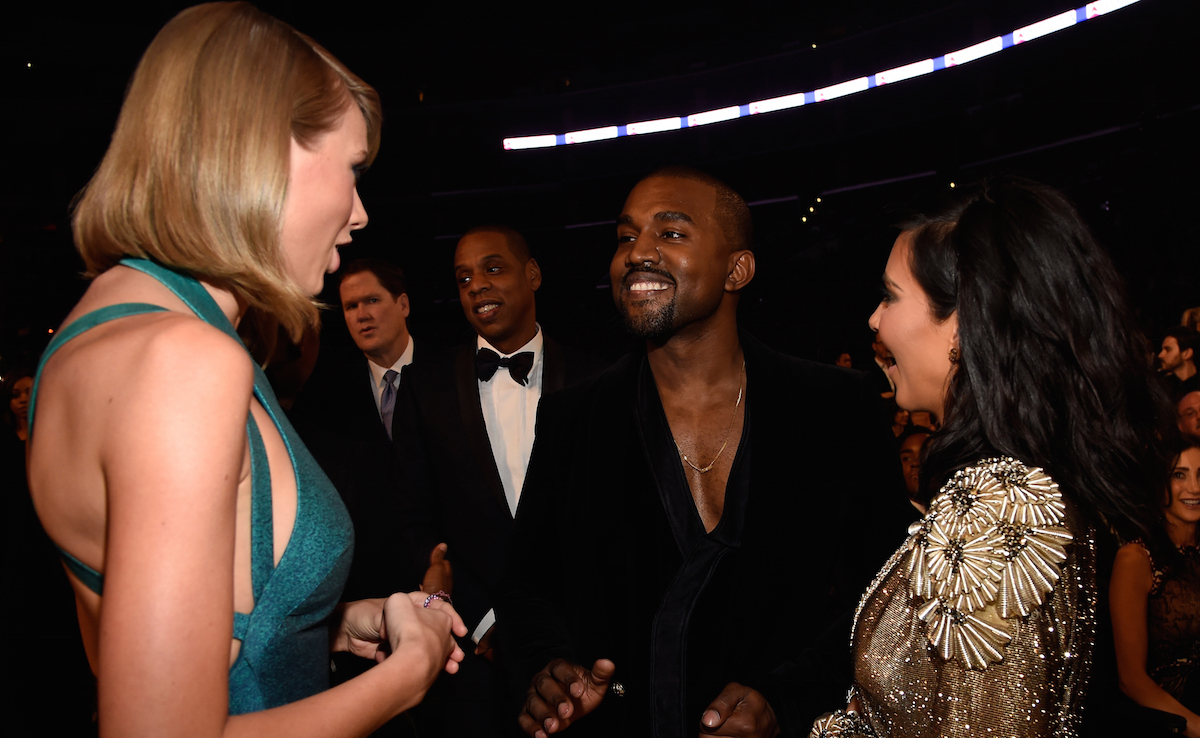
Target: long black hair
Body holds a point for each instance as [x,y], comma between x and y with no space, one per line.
[1051,368]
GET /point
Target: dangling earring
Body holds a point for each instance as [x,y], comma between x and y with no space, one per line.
[953,356]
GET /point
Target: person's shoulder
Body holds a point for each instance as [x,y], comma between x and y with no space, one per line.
[602,385]
[1134,557]
[193,348]
[578,364]
[435,361]
[806,375]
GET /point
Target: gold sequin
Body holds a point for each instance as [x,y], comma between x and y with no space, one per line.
[983,622]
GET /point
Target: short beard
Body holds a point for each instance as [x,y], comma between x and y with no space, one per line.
[653,326]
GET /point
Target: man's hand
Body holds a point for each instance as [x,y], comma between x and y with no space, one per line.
[562,693]
[484,647]
[439,575]
[739,712]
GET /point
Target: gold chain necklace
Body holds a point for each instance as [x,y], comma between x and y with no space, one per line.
[711,464]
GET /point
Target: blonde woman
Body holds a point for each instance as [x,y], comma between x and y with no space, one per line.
[206,548]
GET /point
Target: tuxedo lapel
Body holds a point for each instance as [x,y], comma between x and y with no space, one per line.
[553,367]
[473,424]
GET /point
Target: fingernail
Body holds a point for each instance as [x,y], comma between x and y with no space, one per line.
[710,718]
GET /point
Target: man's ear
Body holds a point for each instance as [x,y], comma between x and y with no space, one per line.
[1187,354]
[403,300]
[741,270]
[534,273]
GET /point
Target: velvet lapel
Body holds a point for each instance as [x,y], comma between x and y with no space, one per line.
[553,369]
[473,425]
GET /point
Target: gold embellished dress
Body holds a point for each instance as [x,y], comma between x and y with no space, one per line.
[982,624]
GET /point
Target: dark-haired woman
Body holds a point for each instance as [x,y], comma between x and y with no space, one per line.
[1155,603]
[1007,324]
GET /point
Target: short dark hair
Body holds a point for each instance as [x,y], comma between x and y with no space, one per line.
[732,212]
[516,242]
[388,274]
[1051,368]
[1187,338]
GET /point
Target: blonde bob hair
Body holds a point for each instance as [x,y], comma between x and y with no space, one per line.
[197,171]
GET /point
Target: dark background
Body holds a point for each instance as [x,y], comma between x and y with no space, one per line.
[1106,110]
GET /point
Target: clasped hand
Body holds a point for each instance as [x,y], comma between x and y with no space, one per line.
[376,628]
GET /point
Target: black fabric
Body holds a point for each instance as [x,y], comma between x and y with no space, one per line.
[609,559]
[336,416]
[451,492]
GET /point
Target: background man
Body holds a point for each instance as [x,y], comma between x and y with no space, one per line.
[1187,414]
[464,431]
[1177,360]
[344,413]
[684,529]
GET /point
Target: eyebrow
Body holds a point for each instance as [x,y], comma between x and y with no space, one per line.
[489,257]
[670,216]
[888,281]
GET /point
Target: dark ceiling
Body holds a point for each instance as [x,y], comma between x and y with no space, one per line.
[1106,110]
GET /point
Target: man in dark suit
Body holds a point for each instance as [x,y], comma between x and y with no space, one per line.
[686,525]
[344,414]
[464,430]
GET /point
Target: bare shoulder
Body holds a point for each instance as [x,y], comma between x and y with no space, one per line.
[1132,569]
[1134,555]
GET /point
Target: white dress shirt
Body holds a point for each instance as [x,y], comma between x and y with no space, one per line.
[377,373]
[509,412]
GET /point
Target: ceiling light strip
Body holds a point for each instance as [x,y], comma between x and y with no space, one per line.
[908,71]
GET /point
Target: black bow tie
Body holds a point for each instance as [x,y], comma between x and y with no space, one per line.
[518,365]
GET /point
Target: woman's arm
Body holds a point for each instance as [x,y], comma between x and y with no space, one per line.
[421,647]
[172,453]
[172,450]
[1132,580]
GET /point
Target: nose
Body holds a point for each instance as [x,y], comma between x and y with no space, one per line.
[873,321]
[643,250]
[479,283]
[358,213]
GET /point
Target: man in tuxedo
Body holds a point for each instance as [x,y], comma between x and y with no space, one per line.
[686,525]
[463,434]
[344,414]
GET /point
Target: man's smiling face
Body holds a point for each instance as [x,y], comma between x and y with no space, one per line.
[496,289]
[672,259]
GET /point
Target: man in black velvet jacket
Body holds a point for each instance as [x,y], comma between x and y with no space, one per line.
[696,517]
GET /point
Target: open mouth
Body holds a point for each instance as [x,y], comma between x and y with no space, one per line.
[485,309]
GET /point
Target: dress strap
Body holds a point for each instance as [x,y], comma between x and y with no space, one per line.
[187,289]
[91,578]
[81,325]
[262,525]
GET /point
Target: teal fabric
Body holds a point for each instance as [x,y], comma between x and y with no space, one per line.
[284,655]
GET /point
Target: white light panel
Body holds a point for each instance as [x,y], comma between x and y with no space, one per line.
[1033,31]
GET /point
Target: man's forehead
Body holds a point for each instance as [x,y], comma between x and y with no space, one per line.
[481,246]
[359,282]
[672,196]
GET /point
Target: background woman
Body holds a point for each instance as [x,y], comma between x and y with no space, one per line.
[1007,323]
[1155,602]
[206,549]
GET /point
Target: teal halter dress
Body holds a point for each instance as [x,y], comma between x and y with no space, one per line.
[284,655]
